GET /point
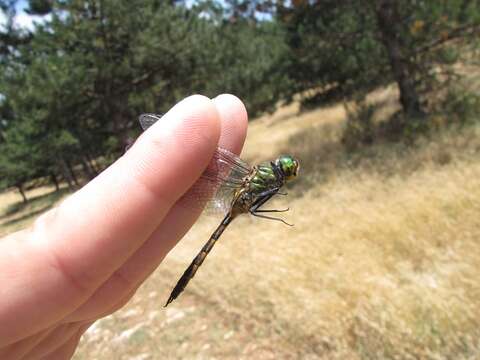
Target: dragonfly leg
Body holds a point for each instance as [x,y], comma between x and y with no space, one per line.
[272,211]
[269,218]
[260,201]
[283,194]
[263,199]
[267,193]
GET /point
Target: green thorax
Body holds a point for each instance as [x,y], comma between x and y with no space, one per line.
[263,179]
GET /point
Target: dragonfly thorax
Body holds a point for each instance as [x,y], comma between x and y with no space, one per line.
[264,178]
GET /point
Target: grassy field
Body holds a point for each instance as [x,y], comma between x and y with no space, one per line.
[383,261]
[15,215]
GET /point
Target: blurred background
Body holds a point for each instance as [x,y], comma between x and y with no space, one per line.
[379,100]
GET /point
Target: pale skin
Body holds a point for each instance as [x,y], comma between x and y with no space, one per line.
[85,258]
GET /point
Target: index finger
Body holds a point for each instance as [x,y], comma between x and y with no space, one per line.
[74,248]
[125,203]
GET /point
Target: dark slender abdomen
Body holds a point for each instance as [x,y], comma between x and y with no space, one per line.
[192,269]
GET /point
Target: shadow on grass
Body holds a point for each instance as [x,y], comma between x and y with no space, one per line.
[27,216]
[36,204]
[323,156]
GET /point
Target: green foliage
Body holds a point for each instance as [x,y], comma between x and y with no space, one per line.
[73,92]
[252,56]
[17,158]
[334,49]
[461,107]
[72,89]
[342,48]
[40,7]
[359,127]
[448,55]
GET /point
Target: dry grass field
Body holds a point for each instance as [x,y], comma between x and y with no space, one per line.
[382,263]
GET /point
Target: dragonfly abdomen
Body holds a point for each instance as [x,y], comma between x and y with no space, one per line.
[197,262]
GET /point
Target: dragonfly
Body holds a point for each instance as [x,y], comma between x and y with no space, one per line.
[233,187]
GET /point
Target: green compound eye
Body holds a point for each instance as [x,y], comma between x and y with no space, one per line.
[289,166]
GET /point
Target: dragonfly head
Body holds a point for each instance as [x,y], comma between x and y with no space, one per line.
[289,166]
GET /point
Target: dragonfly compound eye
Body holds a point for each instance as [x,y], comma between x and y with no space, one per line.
[289,166]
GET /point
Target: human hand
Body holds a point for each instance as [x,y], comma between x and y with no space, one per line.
[85,258]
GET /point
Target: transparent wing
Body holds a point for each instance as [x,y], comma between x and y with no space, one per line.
[223,176]
[147,120]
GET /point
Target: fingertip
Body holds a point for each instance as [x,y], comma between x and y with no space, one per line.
[234,121]
[193,117]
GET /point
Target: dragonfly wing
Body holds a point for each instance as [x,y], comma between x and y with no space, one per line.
[147,120]
[222,177]
[212,198]
[215,188]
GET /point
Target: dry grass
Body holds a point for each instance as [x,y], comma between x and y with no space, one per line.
[15,215]
[382,261]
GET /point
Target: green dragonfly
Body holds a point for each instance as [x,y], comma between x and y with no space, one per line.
[231,186]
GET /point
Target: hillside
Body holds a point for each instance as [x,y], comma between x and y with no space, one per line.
[382,261]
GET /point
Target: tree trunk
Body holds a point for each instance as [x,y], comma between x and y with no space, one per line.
[92,163]
[22,192]
[54,179]
[388,21]
[87,169]
[72,173]
[66,174]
